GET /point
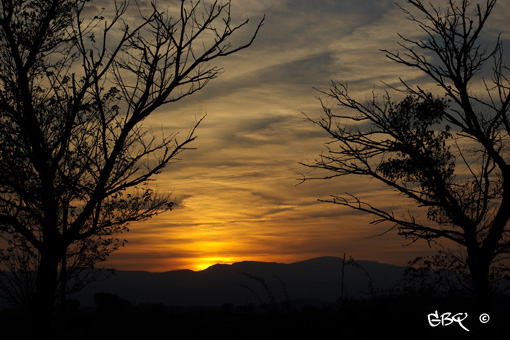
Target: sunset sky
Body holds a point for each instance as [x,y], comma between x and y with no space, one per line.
[238,193]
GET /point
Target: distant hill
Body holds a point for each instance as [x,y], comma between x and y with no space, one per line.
[312,281]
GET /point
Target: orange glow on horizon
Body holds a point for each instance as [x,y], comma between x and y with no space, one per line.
[206,262]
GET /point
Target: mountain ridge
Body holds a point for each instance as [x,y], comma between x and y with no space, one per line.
[244,282]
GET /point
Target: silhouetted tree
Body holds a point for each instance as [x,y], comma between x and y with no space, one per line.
[443,274]
[446,151]
[74,90]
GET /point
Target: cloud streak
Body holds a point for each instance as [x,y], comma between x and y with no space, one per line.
[237,193]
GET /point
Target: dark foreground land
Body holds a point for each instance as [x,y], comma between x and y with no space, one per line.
[398,317]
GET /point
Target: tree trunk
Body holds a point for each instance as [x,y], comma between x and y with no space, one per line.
[46,282]
[479,267]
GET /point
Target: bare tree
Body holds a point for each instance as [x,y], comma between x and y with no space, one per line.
[75,161]
[448,151]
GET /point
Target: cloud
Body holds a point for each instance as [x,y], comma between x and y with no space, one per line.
[238,192]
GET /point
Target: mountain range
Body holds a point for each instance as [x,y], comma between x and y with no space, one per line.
[314,281]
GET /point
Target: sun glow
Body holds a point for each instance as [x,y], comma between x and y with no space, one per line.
[205,262]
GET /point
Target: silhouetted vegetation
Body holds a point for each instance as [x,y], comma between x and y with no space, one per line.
[446,150]
[76,84]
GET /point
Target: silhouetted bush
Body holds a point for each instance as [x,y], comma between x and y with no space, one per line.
[112,304]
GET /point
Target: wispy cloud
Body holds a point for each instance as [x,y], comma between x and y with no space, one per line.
[238,192]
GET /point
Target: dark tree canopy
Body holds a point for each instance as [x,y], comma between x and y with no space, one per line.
[75,88]
[446,149]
